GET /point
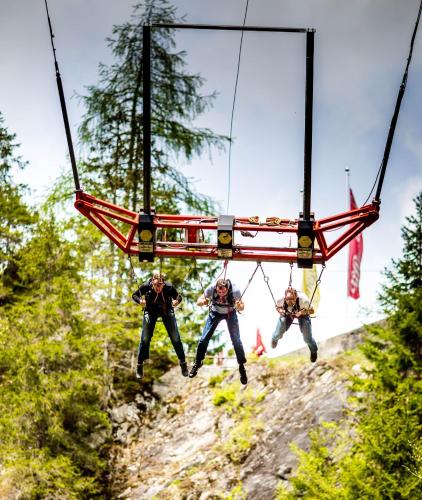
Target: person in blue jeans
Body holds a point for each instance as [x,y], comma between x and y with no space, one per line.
[295,305]
[159,298]
[225,300]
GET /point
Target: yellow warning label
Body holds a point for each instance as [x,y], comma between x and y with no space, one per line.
[145,235]
[305,241]
[224,238]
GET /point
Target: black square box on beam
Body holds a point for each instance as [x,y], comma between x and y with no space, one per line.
[305,243]
[146,232]
[225,236]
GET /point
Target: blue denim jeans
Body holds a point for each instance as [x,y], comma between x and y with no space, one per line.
[211,324]
[148,325]
[284,323]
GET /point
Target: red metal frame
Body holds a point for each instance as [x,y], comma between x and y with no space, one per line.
[105,215]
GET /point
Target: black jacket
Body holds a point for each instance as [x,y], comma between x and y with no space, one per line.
[157,303]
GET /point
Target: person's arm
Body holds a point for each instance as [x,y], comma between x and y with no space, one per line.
[204,299]
[176,297]
[239,305]
[280,307]
[305,308]
[237,296]
[138,295]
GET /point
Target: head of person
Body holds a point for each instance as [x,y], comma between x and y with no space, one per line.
[222,287]
[290,296]
[157,282]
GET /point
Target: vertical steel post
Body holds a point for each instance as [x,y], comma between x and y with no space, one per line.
[309,90]
[146,115]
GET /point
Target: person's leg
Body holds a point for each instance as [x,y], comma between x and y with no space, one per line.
[305,326]
[169,321]
[209,328]
[148,325]
[233,326]
[283,324]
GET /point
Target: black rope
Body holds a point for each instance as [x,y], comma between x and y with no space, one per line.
[383,167]
[232,115]
[63,106]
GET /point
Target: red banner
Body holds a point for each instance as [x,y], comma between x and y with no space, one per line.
[355,257]
[259,348]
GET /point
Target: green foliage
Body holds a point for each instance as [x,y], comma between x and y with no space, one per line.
[375,453]
[217,379]
[406,275]
[112,125]
[16,218]
[241,406]
[237,493]
[53,423]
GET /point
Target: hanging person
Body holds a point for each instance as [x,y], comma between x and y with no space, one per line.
[159,298]
[225,300]
[295,305]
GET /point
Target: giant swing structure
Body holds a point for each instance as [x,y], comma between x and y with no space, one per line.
[146,233]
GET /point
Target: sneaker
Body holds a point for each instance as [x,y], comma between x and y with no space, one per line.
[184,369]
[243,376]
[314,356]
[139,371]
[194,370]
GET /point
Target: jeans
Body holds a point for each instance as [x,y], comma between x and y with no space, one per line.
[284,323]
[211,324]
[148,325]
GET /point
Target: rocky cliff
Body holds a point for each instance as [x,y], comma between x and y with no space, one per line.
[210,437]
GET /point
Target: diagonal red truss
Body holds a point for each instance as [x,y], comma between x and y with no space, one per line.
[106,215]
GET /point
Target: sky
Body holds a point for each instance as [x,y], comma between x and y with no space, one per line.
[361,49]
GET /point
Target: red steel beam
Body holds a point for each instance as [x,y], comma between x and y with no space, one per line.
[105,215]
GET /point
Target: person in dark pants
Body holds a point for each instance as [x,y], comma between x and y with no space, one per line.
[295,305]
[159,298]
[225,301]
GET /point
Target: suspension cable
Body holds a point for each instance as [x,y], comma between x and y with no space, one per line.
[250,279]
[63,106]
[267,279]
[383,167]
[233,106]
[291,275]
[134,275]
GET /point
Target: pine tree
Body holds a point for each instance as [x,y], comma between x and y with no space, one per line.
[112,126]
[16,218]
[406,276]
[111,133]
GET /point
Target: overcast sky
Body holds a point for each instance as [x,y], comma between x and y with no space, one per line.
[361,49]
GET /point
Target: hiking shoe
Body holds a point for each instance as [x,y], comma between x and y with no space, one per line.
[194,370]
[243,376]
[184,369]
[139,371]
[314,356]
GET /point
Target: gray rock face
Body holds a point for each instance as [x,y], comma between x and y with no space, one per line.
[179,447]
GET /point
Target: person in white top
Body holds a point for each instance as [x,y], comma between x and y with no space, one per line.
[295,305]
[226,300]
